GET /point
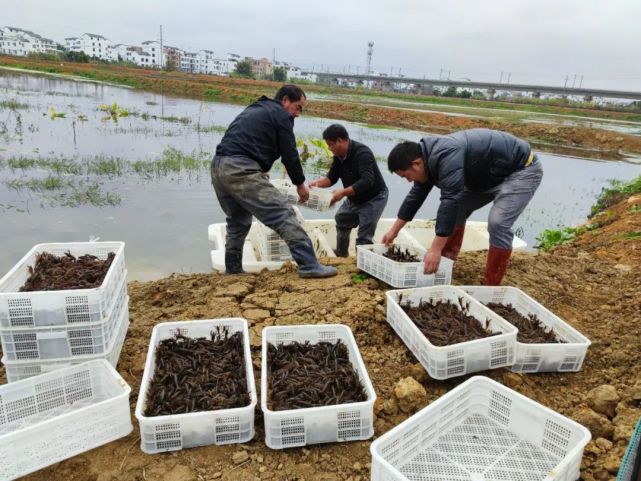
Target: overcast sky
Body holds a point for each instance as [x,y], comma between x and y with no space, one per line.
[539,41]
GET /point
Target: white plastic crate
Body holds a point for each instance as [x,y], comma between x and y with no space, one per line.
[18,370]
[178,431]
[65,341]
[56,308]
[549,357]
[52,417]
[370,259]
[481,431]
[319,199]
[444,362]
[270,245]
[325,424]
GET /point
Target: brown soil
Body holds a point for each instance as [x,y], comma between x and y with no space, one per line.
[582,141]
[591,284]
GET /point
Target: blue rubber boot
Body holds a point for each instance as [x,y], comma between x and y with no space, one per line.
[308,266]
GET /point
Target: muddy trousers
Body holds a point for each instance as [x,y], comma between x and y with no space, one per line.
[244,191]
[509,200]
[365,216]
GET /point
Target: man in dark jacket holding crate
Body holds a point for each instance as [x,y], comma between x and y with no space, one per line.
[471,168]
[258,136]
[364,189]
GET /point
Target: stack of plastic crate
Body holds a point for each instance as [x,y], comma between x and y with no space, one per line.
[270,245]
[319,199]
[42,331]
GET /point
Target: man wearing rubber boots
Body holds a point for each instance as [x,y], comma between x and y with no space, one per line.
[363,187]
[471,168]
[258,136]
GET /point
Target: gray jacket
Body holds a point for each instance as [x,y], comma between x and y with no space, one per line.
[475,159]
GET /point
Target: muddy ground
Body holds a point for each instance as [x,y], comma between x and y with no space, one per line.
[593,284]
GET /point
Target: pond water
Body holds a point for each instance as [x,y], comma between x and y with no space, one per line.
[163,215]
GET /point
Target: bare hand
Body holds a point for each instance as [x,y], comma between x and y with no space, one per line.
[337,195]
[389,237]
[303,193]
[431,262]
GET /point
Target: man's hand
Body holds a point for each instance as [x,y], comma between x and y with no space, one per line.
[431,261]
[337,195]
[303,193]
[313,183]
[389,237]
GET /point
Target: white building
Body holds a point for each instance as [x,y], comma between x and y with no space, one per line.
[308,76]
[188,62]
[152,47]
[91,45]
[16,41]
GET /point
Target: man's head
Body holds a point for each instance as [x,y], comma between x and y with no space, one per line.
[337,139]
[292,98]
[406,160]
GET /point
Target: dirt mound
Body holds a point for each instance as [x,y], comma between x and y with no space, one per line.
[581,282]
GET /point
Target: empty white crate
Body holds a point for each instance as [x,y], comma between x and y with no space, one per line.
[550,357]
[319,199]
[52,417]
[178,431]
[55,308]
[324,424]
[270,245]
[443,362]
[63,341]
[481,431]
[18,370]
[370,259]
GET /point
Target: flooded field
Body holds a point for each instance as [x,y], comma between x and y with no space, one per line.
[81,160]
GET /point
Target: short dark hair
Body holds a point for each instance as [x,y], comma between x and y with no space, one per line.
[291,91]
[402,155]
[335,132]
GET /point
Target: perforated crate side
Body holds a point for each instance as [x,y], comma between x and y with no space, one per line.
[443,362]
[179,431]
[339,423]
[546,357]
[61,414]
[481,430]
[55,308]
[57,342]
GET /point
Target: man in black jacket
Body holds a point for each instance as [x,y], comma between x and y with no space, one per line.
[471,168]
[363,187]
[260,134]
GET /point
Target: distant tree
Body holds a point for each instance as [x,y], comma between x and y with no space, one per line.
[279,74]
[244,69]
[170,65]
[450,92]
[75,57]
[465,94]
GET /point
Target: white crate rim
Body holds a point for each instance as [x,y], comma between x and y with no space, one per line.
[76,325]
[118,251]
[585,342]
[146,380]
[369,388]
[113,344]
[451,394]
[509,328]
[60,373]
[419,251]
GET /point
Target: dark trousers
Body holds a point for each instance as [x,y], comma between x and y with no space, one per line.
[364,216]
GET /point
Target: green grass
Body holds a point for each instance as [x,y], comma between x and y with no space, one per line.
[12,104]
[172,161]
[107,166]
[615,193]
[90,194]
[211,128]
[633,235]
[636,209]
[49,183]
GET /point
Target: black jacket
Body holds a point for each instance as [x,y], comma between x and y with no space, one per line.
[358,170]
[264,131]
[475,159]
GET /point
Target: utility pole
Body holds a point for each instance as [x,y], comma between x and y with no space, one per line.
[574,81]
[565,85]
[501,78]
[581,81]
[440,74]
[448,74]
[357,69]
[161,51]
[508,77]
[370,52]
[391,71]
